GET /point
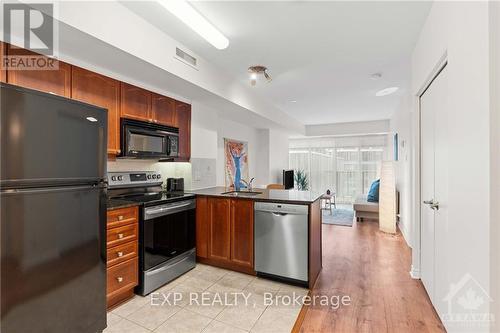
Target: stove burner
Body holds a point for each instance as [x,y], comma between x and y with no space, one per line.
[151,196]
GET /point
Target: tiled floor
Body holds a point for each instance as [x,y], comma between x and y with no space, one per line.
[209,285]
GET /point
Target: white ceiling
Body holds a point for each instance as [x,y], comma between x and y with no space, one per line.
[320,54]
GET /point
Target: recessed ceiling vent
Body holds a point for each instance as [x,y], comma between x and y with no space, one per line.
[185,57]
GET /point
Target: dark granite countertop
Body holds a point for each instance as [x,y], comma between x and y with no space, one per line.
[283,196]
[118,203]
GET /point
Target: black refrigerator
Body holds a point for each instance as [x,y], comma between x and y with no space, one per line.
[53,211]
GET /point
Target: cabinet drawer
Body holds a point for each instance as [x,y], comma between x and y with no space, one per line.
[121,253]
[122,216]
[122,235]
[122,276]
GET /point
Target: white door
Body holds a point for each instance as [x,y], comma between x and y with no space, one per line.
[434,195]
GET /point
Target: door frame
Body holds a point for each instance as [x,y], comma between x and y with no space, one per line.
[416,169]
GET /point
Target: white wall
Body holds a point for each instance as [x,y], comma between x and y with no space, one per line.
[495,160]
[353,128]
[459,31]
[278,152]
[267,148]
[400,123]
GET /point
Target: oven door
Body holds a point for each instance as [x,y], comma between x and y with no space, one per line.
[169,230]
[144,143]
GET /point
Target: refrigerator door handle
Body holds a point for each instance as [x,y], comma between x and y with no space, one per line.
[52,189]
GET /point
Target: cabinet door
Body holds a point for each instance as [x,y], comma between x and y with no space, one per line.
[242,232]
[56,82]
[219,232]
[183,112]
[102,91]
[202,227]
[135,103]
[163,108]
[3,53]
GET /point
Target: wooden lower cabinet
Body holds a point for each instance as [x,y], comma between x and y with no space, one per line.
[224,232]
[122,256]
[219,223]
[242,232]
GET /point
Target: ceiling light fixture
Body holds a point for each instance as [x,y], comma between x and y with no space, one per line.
[257,70]
[386,91]
[187,14]
[293,101]
[91,119]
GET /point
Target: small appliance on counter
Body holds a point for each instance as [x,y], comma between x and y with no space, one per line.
[166,227]
[175,184]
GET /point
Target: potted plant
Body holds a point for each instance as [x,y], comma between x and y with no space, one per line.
[301,180]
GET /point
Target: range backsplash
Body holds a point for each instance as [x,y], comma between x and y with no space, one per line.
[167,169]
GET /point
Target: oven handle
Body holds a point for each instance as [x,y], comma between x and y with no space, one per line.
[169,209]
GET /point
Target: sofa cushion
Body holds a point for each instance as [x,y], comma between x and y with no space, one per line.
[373,193]
[361,204]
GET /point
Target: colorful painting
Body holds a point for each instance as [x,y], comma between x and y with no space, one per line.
[236,155]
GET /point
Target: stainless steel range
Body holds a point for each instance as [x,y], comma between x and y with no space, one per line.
[166,227]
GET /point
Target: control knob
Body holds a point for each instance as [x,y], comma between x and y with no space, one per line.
[113,178]
[120,178]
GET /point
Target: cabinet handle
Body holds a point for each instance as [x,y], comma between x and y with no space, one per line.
[119,279]
[120,236]
[119,254]
[118,151]
[120,217]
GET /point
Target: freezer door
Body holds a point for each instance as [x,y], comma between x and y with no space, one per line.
[46,139]
[53,270]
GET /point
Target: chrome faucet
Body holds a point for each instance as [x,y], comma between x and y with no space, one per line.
[248,184]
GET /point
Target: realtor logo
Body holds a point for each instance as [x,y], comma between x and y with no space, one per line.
[468,304]
[36,25]
[30,26]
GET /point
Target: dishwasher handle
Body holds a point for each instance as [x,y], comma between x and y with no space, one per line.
[279,214]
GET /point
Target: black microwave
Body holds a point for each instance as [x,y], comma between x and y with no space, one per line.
[145,140]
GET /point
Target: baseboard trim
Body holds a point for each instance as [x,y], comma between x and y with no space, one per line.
[402,228]
[414,273]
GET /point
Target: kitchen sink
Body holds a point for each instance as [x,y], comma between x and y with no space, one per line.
[242,193]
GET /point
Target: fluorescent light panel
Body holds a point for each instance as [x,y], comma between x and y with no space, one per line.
[386,91]
[187,14]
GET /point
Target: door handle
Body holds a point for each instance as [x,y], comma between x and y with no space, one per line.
[434,205]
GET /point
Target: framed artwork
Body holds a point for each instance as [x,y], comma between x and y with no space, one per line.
[396,147]
[236,163]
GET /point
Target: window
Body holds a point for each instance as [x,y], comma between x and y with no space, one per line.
[346,165]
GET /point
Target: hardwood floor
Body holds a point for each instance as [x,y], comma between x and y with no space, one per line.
[372,268]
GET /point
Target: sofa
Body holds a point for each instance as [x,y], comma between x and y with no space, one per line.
[365,210]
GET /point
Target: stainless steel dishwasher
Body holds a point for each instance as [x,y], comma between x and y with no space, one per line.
[281,241]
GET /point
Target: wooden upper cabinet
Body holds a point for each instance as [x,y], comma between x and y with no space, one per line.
[3,53]
[183,113]
[56,82]
[242,232]
[163,109]
[135,103]
[102,91]
[219,235]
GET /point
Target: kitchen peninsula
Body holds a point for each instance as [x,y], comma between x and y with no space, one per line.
[226,228]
